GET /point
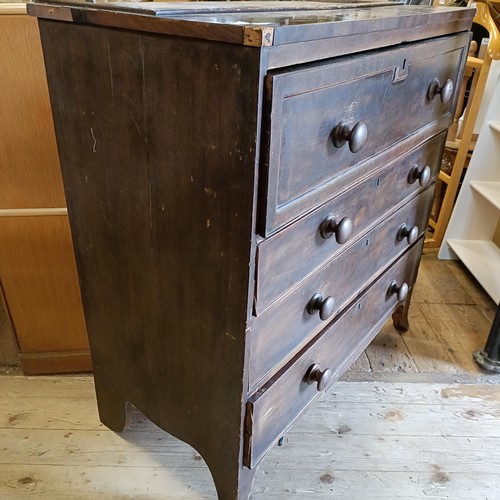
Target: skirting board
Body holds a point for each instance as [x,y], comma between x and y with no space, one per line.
[56,362]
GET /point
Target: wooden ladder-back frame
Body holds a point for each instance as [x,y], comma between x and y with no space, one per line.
[482,68]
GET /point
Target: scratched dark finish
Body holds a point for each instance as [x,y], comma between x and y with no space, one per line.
[375,90]
[285,396]
[287,325]
[317,22]
[159,116]
[160,184]
[280,265]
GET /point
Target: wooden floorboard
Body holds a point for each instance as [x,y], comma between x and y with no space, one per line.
[362,440]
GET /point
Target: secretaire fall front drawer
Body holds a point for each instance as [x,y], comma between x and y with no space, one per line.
[325,118]
[289,256]
[303,312]
[275,406]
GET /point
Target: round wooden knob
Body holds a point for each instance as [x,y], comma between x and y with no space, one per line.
[342,229]
[423,175]
[401,291]
[410,233]
[324,306]
[323,378]
[356,137]
[445,91]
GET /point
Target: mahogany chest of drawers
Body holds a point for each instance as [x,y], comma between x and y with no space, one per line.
[248,186]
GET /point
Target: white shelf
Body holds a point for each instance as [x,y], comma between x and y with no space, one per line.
[482,258]
[495,126]
[489,190]
[476,214]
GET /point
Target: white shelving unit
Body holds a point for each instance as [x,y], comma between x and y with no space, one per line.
[490,190]
[476,216]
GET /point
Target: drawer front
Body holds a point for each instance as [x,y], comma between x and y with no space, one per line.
[287,257]
[386,93]
[272,409]
[291,321]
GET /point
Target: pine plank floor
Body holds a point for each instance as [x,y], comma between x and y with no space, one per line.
[414,418]
[362,440]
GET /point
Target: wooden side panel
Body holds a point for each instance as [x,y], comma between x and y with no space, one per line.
[38,275]
[158,141]
[29,165]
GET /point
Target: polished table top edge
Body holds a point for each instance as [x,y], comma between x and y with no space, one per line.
[256,23]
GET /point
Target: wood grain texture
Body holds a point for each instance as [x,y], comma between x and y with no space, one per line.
[39,279]
[160,149]
[230,27]
[289,54]
[37,268]
[471,287]
[309,103]
[281,328]
[393,439]
[30,175]
[436,286]
[174,207]
[420,351]
[467,322]
[285,396]
[372,199]
[388,352]
[56,362]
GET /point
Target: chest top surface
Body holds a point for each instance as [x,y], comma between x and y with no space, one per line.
[260,23]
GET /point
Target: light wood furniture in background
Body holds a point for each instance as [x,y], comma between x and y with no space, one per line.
[481,71]
[475,221]
[37,268]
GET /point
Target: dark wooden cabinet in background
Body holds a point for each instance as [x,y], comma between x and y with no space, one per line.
[248,186]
